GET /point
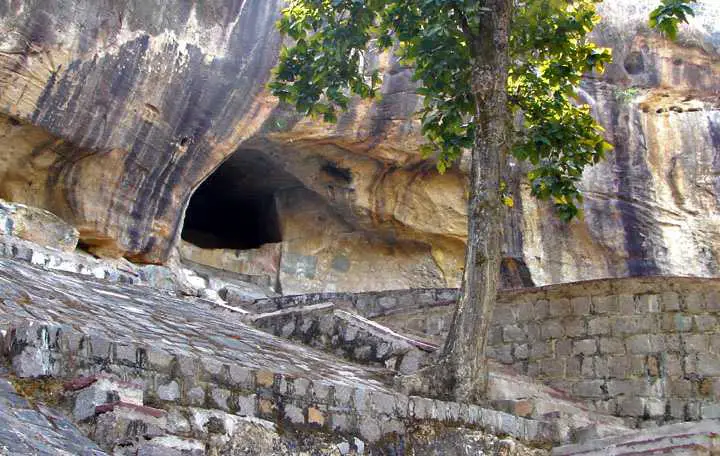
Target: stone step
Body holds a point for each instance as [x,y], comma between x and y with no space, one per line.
[694,438]
[347,335]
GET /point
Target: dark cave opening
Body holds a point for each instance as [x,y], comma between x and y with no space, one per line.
[234,208]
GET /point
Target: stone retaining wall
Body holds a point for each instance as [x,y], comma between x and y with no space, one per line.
[371,304]
[643,348]
[39,350]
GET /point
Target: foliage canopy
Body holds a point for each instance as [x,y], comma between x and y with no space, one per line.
[335,39]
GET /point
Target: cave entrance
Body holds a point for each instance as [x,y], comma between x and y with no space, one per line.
[234,208]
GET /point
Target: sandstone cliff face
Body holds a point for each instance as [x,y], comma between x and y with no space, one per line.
[114,114]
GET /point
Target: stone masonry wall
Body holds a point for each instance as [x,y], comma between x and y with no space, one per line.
[642,348]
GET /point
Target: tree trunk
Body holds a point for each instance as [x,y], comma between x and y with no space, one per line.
[464,352]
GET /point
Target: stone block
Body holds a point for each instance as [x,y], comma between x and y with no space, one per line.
[343,395]
[601,366]
[540,349]
[169,392]
[562,347]
[533,330]
[100,347]
[159,360]
[220,398]
[503,353]
[618,366]
[710,411]
[631,406]
[672,343]
[171,446]
[611,346]
[552,367]
[104,390]
[628,305]
[504,316]
[585,347]
[560,307]
[574,367]
[246,405]
[342,422]
[177,423]
[581,306]
[542,309]
[195,396]
[369,428]
[589,388]
[574,327]
[712,300]
[672,365]
[264,379]
[513,333]
[654,408]
[420,408]
[495,335]
[387,302]
[551,329]
[321,391]
[599,326]
[638,365]
[715,343]
[695,343]
[708,365]
[22,253]
[692,410]
[316,416]
[525,311]
[605,304]
[694,302]
[670,301]
[187,366]
[241,377]
[521,352]
[677,322]
[384,404]
[629,325]
[127,354]
[676,409]
[639,344]
[705,322]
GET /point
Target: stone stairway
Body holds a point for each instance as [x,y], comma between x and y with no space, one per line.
[334,329]
[194,355]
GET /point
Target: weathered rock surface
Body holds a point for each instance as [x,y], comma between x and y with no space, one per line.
[112,115]
[36,225]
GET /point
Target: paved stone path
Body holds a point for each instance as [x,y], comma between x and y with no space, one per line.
[126,313]
[26,430]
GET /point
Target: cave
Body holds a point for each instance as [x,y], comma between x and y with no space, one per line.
[235,208]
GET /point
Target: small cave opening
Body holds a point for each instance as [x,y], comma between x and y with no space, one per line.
[235,207]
